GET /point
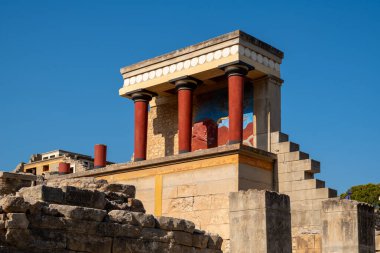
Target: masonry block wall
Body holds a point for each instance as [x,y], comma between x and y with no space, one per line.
[260,222]
[198,189]
[100,218]
[162,127]
[294,176]
[348,226]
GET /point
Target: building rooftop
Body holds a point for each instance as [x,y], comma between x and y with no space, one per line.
[202,61]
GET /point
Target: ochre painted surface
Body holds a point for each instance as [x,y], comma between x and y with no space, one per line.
[256,163]
[53,163]
[158,195]
[174,168]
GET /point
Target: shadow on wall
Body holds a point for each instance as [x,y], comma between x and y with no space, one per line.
[166,124]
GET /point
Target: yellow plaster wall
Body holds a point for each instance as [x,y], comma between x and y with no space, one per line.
[53,165]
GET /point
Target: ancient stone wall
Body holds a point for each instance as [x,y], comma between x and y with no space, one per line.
[260,222]
[294,176]
[162,127]
[12,182]
[100,218]
[347,226]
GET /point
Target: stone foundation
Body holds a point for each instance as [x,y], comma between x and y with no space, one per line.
[100,218]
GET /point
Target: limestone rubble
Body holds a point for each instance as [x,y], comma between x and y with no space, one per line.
[88,215]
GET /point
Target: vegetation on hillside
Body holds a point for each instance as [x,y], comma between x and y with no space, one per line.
[369,193]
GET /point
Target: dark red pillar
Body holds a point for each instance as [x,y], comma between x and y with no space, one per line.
[236,77]
[141,124]
[63,168]
[185,89]
[100,155]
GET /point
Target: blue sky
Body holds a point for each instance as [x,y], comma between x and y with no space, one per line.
[60,61]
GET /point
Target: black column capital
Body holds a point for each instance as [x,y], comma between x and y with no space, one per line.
[185,83]
[237,68]
[141,95]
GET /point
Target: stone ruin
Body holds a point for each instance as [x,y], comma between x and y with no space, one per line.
[89,215]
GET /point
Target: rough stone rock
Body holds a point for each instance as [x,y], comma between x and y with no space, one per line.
[16,220]
[83,197]
[133,205]
[53,223]
[13,204]
[181,237]
[117,230]
[89,243]
[200,241]
[79,213]
[132,218]
[89,183]
[215,241]
[169,223]
[19,238]
[128,190]
[155,234]
[42,193]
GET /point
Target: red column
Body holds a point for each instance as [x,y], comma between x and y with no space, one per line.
[236,76]
[141,125]
[185,89]
[235,108]
[63,168]
[100,155]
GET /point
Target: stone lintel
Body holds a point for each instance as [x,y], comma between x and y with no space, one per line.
[202,61]
[250,153]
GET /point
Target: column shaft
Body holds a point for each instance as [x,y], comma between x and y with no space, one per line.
[235,108]
[185,117]
[141,128]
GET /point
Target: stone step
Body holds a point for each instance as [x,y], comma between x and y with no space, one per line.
[284,147]
[319,193]
[294,156]
[308,165]
[277,137]
[307,184]
[294,176]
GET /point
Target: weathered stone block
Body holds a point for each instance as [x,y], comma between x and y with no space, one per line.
[19,238]
[117,230]
[89,243]
[128,190]
[16,220]
[13,204]
[260,222]
[347,226]
[132,218]
[79,213]
[200,241]
[169,223]
[155,234]
[42,193]
[85,198]
[181,237]
[214,241]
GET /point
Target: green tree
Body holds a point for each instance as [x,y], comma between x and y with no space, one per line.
[368,193]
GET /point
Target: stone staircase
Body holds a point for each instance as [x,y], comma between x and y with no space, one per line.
[295,177]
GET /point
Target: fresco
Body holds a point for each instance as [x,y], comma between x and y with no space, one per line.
[211,119]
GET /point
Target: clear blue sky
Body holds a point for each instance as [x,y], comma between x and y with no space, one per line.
[60,61]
